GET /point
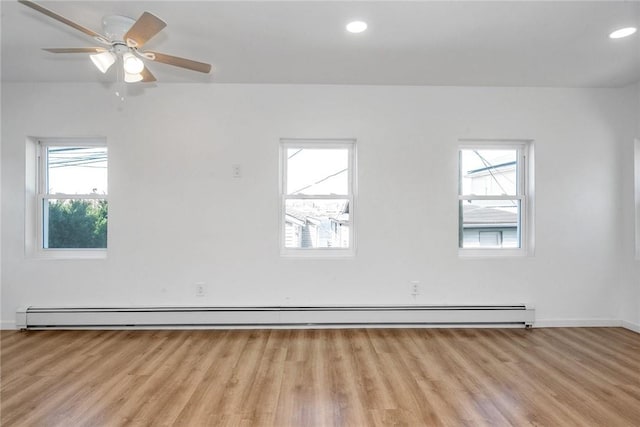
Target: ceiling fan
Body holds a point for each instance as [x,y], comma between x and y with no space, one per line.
[122,41]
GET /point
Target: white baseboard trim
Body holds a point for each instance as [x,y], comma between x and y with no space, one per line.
[7,324]
[635,327]
[577,323]
[543,323]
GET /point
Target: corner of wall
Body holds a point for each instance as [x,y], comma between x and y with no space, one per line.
[635,327]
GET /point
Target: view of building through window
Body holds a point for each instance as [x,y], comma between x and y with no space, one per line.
[74,197]
[490,198]
[317,196]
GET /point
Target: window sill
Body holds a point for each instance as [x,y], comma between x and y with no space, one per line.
[71,254]
[317,253]
[492,253]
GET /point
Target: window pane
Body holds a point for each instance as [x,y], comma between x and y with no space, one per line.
[77,170]
[317,223]
[316,171]
[75,223]
[490,224]
[488,172]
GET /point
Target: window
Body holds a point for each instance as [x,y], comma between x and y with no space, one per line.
[317,192]
[494,198]
[71,197]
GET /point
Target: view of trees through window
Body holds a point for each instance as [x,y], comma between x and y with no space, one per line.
[75,223]
[75,208]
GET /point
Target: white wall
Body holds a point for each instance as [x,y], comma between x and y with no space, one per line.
[177,216]
[630,301]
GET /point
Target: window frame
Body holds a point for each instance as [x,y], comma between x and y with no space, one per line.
[338,143]
[41,195]
[524,196]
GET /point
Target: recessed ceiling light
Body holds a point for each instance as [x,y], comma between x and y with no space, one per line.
[623,32]
[356,26]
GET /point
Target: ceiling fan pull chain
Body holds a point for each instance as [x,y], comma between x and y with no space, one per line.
[120,86]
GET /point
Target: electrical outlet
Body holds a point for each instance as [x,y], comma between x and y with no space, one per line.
[414,287]
[236,171]
[200,289]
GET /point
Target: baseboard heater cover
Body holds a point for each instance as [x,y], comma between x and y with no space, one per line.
[160,317]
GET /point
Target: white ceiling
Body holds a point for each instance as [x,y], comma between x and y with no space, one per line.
[475,43]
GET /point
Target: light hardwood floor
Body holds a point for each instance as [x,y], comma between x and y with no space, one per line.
[358,377]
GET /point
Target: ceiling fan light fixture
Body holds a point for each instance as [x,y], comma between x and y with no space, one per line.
[132,64]
[103,60]
[132,77]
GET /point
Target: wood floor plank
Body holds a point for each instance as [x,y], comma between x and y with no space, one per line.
[564,376]
[332,377]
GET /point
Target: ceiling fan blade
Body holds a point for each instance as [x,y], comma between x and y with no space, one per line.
[75,49]
[147,77]
[178,62]
[147,26]
[51,14]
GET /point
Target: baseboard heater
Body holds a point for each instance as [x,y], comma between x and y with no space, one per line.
[274,317]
